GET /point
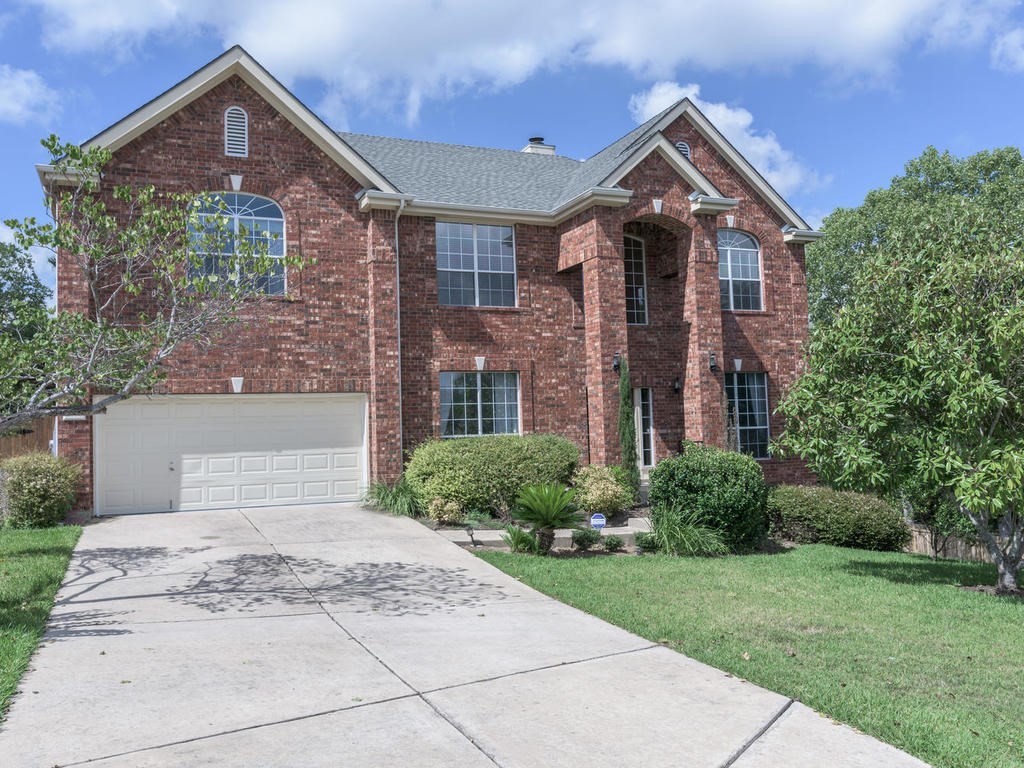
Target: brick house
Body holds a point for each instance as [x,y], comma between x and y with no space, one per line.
[456,290]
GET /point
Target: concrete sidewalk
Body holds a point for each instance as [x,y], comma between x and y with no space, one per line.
[336,636]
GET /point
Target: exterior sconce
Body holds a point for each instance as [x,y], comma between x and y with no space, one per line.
[712,362]
[236,384]
[617,362]
[676,386]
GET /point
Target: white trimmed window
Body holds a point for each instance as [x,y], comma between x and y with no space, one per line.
[636,281]
[748,411]
[479,403]
[258,221]
[236,132]
[739,270]
[476,265]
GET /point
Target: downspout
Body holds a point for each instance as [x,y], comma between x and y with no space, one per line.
[398,326]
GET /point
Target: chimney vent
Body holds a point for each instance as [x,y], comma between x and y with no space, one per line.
[538,147]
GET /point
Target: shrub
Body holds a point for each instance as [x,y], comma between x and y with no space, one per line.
[520,541]
[545,508]
[726,489]
[444,511]
[584,538]
[809,514]
[646,541]
[487,473]
[597,490]
[625,479]
[680,531]
[613,543]
[399,499]
[39,489]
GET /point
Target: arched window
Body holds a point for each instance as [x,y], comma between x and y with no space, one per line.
[236,132]
[258,221]
[739,270]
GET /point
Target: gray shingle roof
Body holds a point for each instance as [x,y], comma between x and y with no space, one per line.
[498,178]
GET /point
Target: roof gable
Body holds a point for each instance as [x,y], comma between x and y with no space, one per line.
[237,61]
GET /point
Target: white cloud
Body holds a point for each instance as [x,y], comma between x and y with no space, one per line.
[762,148]
[25,96]
[397,54]
[1008,51]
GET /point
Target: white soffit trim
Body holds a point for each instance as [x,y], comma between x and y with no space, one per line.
[658,143]
[802,236]
[237,62]
[374,199]
[737,161]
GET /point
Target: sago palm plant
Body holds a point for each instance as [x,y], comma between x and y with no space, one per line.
[545,508]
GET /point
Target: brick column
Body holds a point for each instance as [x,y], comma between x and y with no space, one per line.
[703,389]
[384,395]
[604,297]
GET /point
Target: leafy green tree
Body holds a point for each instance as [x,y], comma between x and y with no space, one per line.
[919,377]
[852,235]
[147,289]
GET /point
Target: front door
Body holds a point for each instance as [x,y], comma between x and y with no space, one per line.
[644,417]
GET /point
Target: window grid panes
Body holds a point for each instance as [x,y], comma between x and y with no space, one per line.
[254,220]
[739,270]
[646,427]
[636,281]
[748,411]
[479,403]
[476,265]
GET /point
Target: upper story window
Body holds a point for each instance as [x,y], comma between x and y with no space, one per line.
[476,265]
[257,221]
[739,270]
[236,132]
[636,281]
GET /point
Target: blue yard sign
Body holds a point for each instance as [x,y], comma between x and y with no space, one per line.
[597,521]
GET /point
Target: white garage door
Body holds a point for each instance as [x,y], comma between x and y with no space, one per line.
[165,453]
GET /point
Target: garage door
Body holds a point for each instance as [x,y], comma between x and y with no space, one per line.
[156,454]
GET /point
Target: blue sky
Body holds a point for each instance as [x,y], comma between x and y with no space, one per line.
[828,98]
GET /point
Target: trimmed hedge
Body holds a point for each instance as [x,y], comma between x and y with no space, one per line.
[39,489]
[727,489]
[599,490]
[485,474]
[810,514]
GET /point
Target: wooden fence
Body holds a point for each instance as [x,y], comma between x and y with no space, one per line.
[955,549]
[32,437]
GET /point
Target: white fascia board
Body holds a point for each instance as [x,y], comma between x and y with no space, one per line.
[706,205]
[802,236]
[658,143]
[49,176]
[745,169]
[237,62]
[484,214]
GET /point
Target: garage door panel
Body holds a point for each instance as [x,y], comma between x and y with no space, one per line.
[229,451]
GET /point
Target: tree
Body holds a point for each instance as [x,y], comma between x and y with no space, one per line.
[627,430]
[22,296]
[854,234]
[919,376]
[157,271]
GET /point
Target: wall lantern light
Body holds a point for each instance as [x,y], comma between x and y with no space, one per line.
[676,386]
[617,362]
[712,362]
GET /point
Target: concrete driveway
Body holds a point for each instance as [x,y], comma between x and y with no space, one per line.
[337,636]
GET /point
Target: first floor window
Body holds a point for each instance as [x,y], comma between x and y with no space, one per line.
[644,414]
[748,412]
[479,403]
[229,218]
[476,265]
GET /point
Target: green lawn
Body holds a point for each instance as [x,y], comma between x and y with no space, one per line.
[881,641]
[32,564]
